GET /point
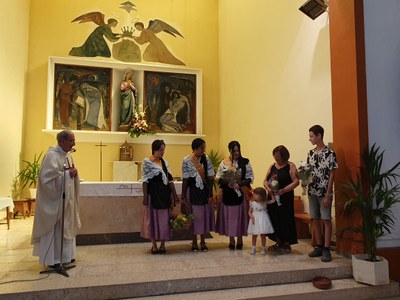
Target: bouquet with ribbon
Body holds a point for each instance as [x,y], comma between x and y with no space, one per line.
[273,184]
[305,174]
[231,176]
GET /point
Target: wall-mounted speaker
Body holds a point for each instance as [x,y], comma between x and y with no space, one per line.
[314,8]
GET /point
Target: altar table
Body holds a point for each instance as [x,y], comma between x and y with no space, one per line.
[7,202]
[111,211]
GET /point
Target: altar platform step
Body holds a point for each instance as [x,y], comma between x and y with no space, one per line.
[341,289]
[125,271]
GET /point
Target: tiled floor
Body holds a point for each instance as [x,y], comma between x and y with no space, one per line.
[126,263]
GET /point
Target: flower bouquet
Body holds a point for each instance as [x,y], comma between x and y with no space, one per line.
[181,221]
[273,184]
[305,174]
[231,176]
[138,124]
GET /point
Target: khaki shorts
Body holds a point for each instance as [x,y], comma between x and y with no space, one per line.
[317,209]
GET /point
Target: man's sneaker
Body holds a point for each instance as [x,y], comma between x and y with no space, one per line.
[316,252]
[326,255]
[253,250]
[263,251]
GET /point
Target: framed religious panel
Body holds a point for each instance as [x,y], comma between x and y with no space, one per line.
[82,97]
[90,97]
[171,101]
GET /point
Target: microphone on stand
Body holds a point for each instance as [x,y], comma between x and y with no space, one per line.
[67,165]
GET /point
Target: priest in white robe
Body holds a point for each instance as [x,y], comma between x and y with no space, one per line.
[57,173]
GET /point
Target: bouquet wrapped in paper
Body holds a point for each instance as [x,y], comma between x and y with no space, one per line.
[273,184]
[231,176]
[305,174]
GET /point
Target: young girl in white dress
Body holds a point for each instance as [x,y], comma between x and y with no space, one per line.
[259,223]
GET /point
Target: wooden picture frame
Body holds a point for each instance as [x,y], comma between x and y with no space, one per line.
[171,102]
[104,78]
[82,97]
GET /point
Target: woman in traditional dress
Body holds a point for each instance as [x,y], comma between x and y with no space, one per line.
[197,187]
[158,189]
[282,212]
[234,175]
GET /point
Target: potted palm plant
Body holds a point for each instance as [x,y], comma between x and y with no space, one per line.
[29,175]
[374,200]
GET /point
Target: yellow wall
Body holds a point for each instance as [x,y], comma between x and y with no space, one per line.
[53,34]
[266,73]
[14,28]
[274,66]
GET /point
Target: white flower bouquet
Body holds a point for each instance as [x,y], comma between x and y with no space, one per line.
[305,174]
[138,124]
[231,176]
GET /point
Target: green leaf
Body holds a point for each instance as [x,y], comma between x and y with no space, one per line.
[374,197]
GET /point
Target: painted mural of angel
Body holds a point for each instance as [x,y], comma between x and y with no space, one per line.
[156,51]
[95,44]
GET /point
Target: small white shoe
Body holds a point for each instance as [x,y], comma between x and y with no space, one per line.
[263,251]
[253,250]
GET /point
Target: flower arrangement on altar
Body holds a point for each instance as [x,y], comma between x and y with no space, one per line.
[181,221]
[305,174]
[138,125]
[273,184]
[231,176]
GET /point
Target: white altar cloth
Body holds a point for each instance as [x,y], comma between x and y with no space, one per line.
[111,188]
[6,202]
[119,206]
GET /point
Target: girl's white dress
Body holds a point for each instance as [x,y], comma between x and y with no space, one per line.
[262,223]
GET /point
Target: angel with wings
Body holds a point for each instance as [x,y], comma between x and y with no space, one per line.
[156,51]
[95,44]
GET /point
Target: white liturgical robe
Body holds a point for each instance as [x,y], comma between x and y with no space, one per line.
[46,234]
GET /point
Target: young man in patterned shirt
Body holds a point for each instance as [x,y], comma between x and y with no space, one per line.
[323,161]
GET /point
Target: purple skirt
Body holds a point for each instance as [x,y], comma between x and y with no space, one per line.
[203,219]
[232,220]
[156,224]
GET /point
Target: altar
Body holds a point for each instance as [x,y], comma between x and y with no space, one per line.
[111,212]
[8,204]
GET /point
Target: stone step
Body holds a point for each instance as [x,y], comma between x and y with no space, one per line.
[341,289]
[179,283]
[122,271]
